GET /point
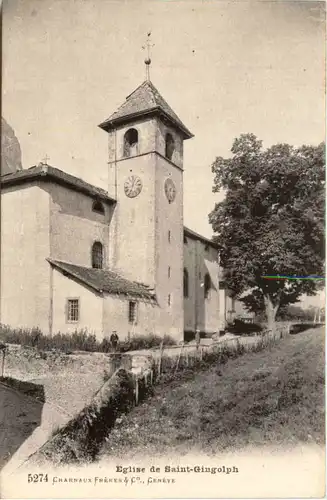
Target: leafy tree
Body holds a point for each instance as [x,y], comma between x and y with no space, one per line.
[271,221]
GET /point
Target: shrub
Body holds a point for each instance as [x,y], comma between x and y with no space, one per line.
[138,342]
[79,340]
[241,328]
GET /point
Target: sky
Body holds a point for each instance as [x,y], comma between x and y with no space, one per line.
[225,68]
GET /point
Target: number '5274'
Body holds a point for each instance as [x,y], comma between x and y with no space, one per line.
[37,478]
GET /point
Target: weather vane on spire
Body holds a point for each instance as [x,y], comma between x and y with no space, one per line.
[147,60]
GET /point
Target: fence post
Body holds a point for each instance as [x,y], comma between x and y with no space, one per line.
[3,349]
[179,357]
[197,339]
[160,358]
[136,390]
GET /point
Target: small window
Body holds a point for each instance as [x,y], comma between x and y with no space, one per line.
[185,283]
[131,139]
[169,270]
[132,312]
[207,286]
[98,207]
[169,236]
[97,255]
[72,310]
[170,146]
[169,299]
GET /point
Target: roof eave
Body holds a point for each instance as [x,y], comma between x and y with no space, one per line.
[44,174]
[196,236]
[112,123]
[74,275]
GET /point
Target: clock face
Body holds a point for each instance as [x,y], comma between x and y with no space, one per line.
[133,186]
[170,190]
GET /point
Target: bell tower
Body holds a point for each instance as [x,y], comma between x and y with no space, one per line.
[145,172]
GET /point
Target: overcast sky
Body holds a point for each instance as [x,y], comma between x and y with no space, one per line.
[226,68]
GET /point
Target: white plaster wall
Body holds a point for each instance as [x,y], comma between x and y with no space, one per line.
[74,226]
[169,254]
[91,307]
[200,312]
[25,286]
[189,302]
[134,222]
[116,317]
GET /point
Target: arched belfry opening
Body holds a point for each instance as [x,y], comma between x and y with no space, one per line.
[169,146]
[131,143]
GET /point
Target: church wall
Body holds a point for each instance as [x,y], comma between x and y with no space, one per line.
[169,249]
[163,129]
[190,263]
[133,221]
[91,307]
[74,226]
[25,277]
[200,312]
[115,317]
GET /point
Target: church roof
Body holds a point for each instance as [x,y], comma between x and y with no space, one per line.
[47,173]
[145,100]
[196,236]
[103,280]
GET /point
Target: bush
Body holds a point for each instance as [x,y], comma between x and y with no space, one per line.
[79,340]
[139,342]
[241,328]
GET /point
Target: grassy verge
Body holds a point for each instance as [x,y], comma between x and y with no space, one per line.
[79,340]
[274,396]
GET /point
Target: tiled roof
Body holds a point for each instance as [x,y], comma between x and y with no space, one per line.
[196,236]
[47,173]
[103,280]
[144,100]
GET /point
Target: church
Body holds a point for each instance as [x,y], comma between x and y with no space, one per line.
[75,256]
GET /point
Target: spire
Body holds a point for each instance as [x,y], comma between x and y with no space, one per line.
[147,60]
[144,101]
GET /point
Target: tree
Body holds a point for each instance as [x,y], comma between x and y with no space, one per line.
[271,221]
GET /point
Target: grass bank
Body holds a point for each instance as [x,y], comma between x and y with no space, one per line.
[274,396]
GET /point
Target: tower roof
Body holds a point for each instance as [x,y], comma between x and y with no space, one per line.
[145,100]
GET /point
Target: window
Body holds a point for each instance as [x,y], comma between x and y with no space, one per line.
[169,236]
[132,312]
[185,283]
[207,286]
[169,271]
[97,255]
[170,146]
[98,207]
[72,310]
[131,139]
[169,299]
